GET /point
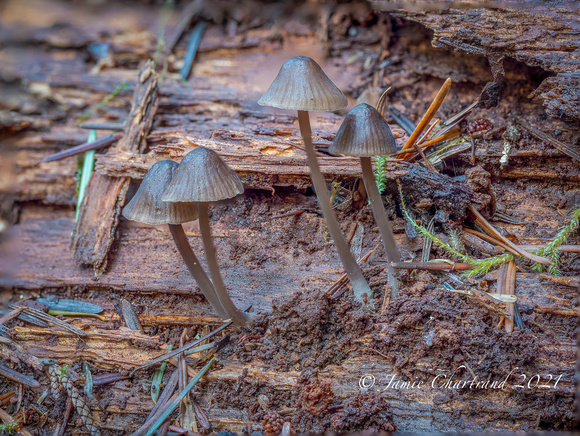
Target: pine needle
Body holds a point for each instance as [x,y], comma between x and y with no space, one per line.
[85,173]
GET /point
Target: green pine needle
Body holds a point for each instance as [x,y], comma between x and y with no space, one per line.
[84,174]
[157,379]
[62,370]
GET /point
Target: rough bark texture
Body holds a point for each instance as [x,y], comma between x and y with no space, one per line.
[544,36]
[105,195]
[307,351]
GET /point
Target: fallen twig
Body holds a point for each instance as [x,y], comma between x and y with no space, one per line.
[93,145]
[433,266]
[18,378]
[181,349]
[61,426]
[335,288]
[51,320]
[564,148]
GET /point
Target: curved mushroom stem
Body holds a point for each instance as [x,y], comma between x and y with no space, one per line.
[236,315]
[382,221]
[195,268]
[361,289]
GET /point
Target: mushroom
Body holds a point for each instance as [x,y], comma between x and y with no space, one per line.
[364,133]
[303,86]
[146,207]
[203,177]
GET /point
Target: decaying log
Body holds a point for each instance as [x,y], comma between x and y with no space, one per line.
[105,195]
[258,171]
[113,349]
[264,259]
[538,35]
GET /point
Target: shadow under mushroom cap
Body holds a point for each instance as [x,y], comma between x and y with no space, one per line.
[302,85]
[202,176]
[363,133]
[146,205]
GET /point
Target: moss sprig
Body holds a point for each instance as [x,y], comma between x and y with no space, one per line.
[86,114]
[480,266]
[380,174]
[550,250]
[483,266]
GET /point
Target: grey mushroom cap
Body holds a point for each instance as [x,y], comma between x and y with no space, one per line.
[363,133]
[202,176]
[302,85]
[146,205]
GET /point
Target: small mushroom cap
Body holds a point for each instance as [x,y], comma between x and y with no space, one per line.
[363,133]
[202,176]
[302,85]
[146,205]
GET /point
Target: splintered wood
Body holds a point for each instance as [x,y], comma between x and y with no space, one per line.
[105,195]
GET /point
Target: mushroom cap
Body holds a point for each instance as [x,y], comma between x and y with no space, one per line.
[146,205]
[363,133]
[302,85]
[202,176]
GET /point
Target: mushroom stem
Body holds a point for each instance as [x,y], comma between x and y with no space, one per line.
[195,268]
[360,286]
[236,315]
[382,221]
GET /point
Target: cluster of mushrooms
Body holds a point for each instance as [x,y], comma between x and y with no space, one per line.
[174,193]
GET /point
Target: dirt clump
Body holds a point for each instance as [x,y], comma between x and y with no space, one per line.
[364,411]
[314,394]
[307,330]
[432,328]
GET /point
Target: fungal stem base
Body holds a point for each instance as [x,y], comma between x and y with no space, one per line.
[382,221]
[195,268]
[360,286]
[232,311]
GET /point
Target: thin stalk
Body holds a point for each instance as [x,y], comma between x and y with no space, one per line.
[233,312]
[361,289]
[382,221]
[195,268]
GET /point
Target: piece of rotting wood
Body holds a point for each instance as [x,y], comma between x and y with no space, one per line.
[99,215]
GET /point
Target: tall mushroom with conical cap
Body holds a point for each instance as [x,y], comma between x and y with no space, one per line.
[203,177]
[146,207]
[303,86]
[364,133]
